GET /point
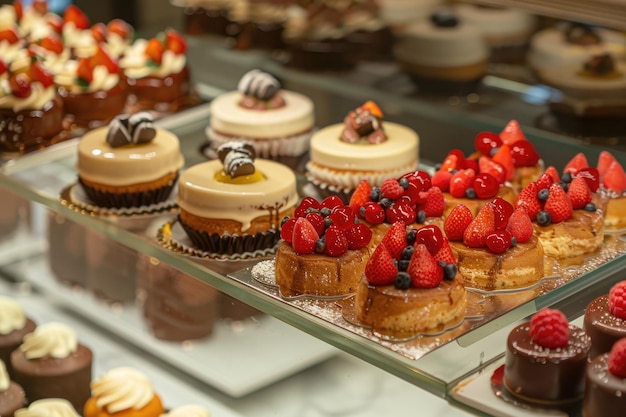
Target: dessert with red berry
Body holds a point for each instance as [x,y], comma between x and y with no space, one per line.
[323,251]
[613,189]
[76,33]
[496,249]
[362,147]
[605,319]
[157,73]
[10,43]
[411,284]
[605,383]
[545,360]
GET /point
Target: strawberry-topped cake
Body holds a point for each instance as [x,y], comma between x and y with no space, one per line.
[545,360]
[565,217]
[117,35]
[91,88]
[605,383]
[411,284]
[323,251]
[76,33]
[605,319]
[51,51]
[496,249]
[156,71]
[613,189]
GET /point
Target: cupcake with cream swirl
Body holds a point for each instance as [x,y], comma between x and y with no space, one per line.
[14,325]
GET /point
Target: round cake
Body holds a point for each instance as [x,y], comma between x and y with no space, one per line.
[235,206]
[14,325]
[129,163]
[277,122]
[545,360]
[604,320]
[363,147]
[12,396]
[605,383]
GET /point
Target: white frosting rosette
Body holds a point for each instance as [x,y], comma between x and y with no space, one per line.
[49,407]
[121,389]
[53,340]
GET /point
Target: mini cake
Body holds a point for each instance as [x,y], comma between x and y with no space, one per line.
[234,205]
[157,73]
[612,182]
[545,360]
[399,14]
[176,306]
[51,51]
[323,250]
[125,392]
[362,147]
[48,407]
[117,35]
[410,287]
[76,33]
[189,410]
[496,249]
[277,122]
[30,109]
[260,24]
[129,163]
[91,89]
[52,364]
[12,395]
[14,325]
[443,55]
[605,383]
[605,319]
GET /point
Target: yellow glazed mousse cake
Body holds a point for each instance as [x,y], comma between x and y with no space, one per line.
[234,205]
[277,122]
[129,163]
[410,285]
[363,147]
[323,250]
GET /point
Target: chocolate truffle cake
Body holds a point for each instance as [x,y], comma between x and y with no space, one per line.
[605,320]
[605,383]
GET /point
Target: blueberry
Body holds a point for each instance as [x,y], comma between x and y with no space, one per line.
[325,211]
[493,151]
[449,271]
[362,211]
[421,217]
[564,185]
[444,19]
[403,281]
[403,265]
[566,177]
[410,236]
[407,252]
[320,245]
[375,194]
[284,220]
[590,207]
[543,194]
[386,202]
[544,218]
[312,210]
[327,222]
[513,241]
[438,166]
[470,193]
[404,183]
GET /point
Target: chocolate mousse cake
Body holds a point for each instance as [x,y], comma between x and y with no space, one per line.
[14,325]
[605,383]
[605,320]
[12,395]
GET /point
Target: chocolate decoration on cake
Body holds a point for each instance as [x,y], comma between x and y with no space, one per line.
[259,84]
[364,122]
[583,35]
[130,129]
[238,158]
[444,19]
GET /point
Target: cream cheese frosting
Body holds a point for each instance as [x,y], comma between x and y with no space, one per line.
[54,340]
[191,410]
[131,164]
[200,194]
[229,118]
[134,62]
[12,316]
[48,407]
[122,389]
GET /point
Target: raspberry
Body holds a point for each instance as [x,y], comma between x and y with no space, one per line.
[434,204]
[391,188]
[549,328]
[617,359]
[617,300]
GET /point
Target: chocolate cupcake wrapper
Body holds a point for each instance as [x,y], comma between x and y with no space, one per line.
[130,200]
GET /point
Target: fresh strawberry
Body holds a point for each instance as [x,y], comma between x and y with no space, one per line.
[120,27]
[527,199]
[434,204]
[360,195]
[444,254]
[154,51]
[318,222]
[512,133]
[304,236]
[545,180]
[558,204]
[578,162]
[451,163]
[617,300]
[395,239]
[19,85]
[524,154]
[486,164]
[553,173]
[84,71]
[74,15]
[457,221]
[99,32]
[498,241]
[441,179]
[549,328]
[307,203]
[373,213]
[359,236]
[485,142]
[331,202]
[401,211]
[591,177]
[617,359]
[19,9]
[503,157]
[430,236]
[423,269]
[605,159]
[483,225]
[336,242]
[502,211]
[485,185]
[615,179]
[102,57]
[40,74]
[380,268]
[460,182]
[52,43]
[579,193]
[520,226]
[286,230]
[391,188]
[9,35]
[175,42]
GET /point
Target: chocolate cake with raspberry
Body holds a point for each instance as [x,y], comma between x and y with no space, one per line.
[605,383]
[605,319]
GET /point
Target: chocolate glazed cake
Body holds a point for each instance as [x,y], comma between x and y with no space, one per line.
[12,395]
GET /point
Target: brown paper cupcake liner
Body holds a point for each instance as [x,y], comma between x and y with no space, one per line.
[114,200]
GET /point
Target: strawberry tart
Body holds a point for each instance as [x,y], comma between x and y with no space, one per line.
[545,360]
[362,147]
[277,122]
[605,383]
[612,180]
[323,250]
[411,285]
[496,249]
[605,319]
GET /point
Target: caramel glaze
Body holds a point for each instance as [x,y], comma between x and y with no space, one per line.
[603,327]
[579,235]
[604,392]
[97,108]
[404,313]
[542,375]
[488,271]
[316,274]
[161,94]
[31,129]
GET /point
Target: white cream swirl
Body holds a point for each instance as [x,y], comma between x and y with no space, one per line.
[51,60]
[49,407]
[38,97]
[191,410]
[5,381]
[135,65]
[80,41]
[12,315]
[121,389]
[55,340]
[102,79]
